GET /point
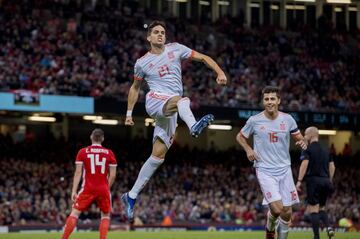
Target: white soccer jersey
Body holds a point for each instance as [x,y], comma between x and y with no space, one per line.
[271,141]
[163,72]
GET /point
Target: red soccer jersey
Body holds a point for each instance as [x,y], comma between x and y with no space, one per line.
[96,161]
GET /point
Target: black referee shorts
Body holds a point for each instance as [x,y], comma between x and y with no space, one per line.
[318,190]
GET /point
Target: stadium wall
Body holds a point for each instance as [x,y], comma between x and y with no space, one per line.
[69,111]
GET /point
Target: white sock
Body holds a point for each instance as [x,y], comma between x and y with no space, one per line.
[283,229]
[185,112]
[271,221]
[146,171]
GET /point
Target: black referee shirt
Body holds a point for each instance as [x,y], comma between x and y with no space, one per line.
[319,159]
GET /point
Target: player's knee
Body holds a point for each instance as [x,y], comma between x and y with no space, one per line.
[174,100]
[171,106]
[177,98]
[276,211]
[105,215]
[286,210]
[158,153]
[75,213]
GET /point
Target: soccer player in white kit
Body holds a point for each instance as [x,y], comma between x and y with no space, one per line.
[271,130]
[161,69]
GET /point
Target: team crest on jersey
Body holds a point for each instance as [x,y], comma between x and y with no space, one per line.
[262,127]
[151,65]
[282,126]
[171,55]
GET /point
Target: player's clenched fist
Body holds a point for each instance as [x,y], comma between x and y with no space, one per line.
[129,121]
[221,79]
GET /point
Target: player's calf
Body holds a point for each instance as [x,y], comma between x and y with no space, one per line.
[282,229]
[71,222]
[104,226]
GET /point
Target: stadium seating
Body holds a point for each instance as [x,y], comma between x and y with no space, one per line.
[47,51]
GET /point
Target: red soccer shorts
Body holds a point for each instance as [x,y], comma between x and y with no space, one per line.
[86,198]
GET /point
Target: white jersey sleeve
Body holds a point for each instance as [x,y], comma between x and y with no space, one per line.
[138,72]
[248,128]
[184,51]
[293,125]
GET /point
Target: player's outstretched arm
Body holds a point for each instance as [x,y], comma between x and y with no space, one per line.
[221,77]
[132,99]
[250,153]
[76,181]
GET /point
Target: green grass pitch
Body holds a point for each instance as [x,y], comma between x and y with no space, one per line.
[171,235]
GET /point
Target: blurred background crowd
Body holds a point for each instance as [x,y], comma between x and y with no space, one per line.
[193,186]
[54,48]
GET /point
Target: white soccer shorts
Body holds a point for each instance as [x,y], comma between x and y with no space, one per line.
[278,188]
[165,125]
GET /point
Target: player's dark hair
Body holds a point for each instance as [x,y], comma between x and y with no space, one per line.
[97,135]
[270,89]
[154,24]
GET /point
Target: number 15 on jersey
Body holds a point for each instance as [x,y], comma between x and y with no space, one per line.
[273,137]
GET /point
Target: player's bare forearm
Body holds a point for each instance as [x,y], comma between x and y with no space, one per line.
[112,175]
[298,137]
[212,64]
[133,94]
[221,77]
[77,177]
[302,170]
[249,151]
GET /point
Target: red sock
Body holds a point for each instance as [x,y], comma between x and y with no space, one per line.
[71,222]
[104,227]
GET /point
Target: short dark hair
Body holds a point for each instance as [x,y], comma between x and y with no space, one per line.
[270,89]
[97,135]
[154,24]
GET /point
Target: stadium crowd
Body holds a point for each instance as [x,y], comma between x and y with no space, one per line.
[54,48]
[193,186]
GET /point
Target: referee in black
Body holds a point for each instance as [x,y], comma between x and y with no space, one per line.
[317,168]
